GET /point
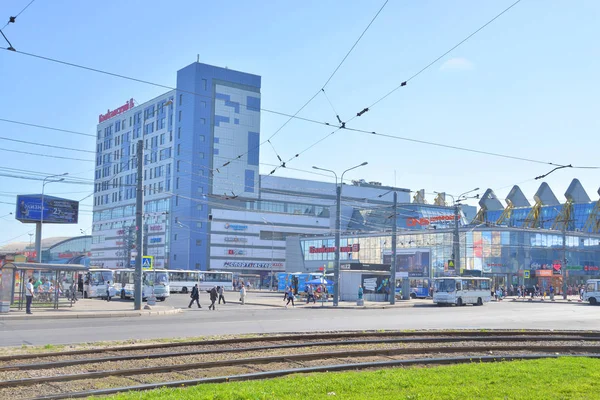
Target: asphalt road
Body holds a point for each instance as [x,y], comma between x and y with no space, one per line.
[237,319]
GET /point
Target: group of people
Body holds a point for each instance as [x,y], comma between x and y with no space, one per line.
[215,293]
[311,294]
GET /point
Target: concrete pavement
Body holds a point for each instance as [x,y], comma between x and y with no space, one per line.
[91,308]
[236,319]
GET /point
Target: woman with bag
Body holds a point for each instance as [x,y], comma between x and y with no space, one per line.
[243,294]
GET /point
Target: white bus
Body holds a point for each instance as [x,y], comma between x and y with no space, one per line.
[208,279]
[461,290]
[182,281]
[592,291]
[95,283]
[153,281]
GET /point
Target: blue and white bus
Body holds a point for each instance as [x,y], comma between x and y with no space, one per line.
[154,281]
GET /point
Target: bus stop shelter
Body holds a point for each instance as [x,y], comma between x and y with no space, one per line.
[54,284]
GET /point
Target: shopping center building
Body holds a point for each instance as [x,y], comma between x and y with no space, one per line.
[517,244]
[205,204]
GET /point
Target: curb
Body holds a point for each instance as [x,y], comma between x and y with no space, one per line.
[344,307]
[116,314]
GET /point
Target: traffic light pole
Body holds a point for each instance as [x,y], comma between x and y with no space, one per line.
[456,241]
[392,284]
[139,240]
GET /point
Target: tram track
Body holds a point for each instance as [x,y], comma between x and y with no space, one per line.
[269,356]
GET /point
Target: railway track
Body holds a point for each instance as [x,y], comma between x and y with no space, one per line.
[83,373]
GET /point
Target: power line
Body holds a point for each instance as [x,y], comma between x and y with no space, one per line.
[45,155]
[322,90]
[489,153]
[46,127]
[12,20]
[54,60]
[404,83]
[47,145]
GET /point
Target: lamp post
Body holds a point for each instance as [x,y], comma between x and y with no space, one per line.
[272,250]
[338,228]
[38,226]
[189,241]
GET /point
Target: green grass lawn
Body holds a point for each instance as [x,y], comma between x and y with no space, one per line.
[563,378]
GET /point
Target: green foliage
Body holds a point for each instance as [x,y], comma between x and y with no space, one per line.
[563,378]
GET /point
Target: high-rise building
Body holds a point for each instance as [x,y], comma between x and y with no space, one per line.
[205,204]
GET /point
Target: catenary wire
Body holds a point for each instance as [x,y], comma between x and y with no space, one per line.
[47,145]
[404,83]
[13,19]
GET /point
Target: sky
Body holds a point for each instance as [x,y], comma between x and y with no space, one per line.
[525,86]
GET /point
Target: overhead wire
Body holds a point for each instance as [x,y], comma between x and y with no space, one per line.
[46,145]
[405,82]
[12,20]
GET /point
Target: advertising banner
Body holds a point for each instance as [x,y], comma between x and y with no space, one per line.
[55,209]
[414,262]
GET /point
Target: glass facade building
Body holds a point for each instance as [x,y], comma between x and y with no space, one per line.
[501,253]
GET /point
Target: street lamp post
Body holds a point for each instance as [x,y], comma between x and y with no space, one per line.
[38,226]
[338,228]
[456,240]
[272,249]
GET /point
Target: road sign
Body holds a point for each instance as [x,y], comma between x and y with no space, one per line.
[147,262]
[526,274]
[450,264]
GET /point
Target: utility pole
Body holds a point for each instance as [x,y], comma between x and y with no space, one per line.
[336,269]
[139,211]
[564,263]
[392,285]
[456,241]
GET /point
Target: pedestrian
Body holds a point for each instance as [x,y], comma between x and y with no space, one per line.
[286,293]
[243,294]
[195,296]
[290,297]
[29,295]
[220,292]
[518,292]
[73,291]
[310,295]
[213,297]
[551,293]
[108,291]
[581,292]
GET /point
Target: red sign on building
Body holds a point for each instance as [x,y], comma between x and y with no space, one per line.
[355,248]
[109,114]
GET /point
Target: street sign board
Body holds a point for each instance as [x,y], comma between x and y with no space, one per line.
[450,264]
[147,262]
[55,210]
[526,274]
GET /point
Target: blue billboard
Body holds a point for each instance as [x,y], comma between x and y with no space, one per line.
[56,210]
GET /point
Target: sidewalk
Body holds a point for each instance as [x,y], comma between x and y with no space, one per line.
[557,299]
[274,299]
[90,308]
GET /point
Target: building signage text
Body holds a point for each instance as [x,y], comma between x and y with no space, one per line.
[156,228]
[109,114]
[155,240]
[236,227]
[235,239]
[430,220]
[236,252]
[251,265]
[355,248]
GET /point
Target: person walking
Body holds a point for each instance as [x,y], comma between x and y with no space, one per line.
[195,296]
[108,291]
[290,297]
[29,295]
[213,297]
[220,292]
[73,291]
[243,294]
[310,295]
[286,293]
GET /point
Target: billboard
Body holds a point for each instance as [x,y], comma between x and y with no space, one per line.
[56,210]
[415,262]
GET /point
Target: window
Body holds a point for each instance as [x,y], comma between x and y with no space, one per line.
[201,154]
[198,242]
[202,138]
[203,121]
[179,115]
[200,189]
[178,149]
[178,165]
[204,84]
[175,237]
[176,200]
[203,104]
[162,138]
[180,99]
[177,183]
[199,207]
[178,133]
